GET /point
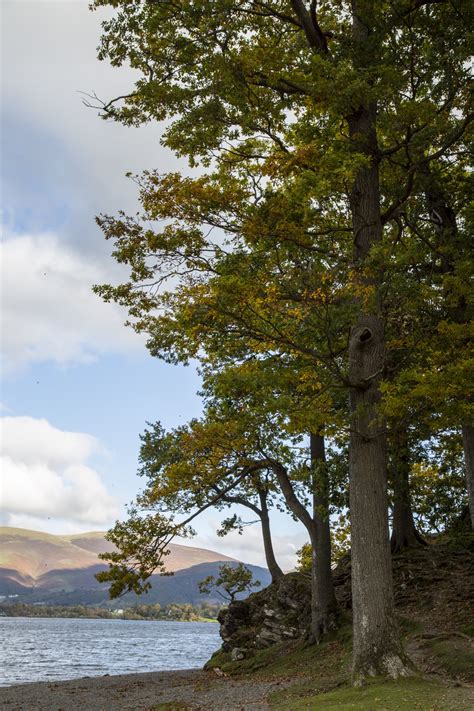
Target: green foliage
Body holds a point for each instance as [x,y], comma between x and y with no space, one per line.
[340,545]
[304,558]
[231,580]
[141,546]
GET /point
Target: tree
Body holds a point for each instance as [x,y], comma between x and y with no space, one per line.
[346,120]
[404,532]
[207,461]
[233,579]
[230,456]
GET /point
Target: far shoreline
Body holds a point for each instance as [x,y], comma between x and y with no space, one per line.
[112,617]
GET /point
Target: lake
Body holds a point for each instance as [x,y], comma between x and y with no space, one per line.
[48,649]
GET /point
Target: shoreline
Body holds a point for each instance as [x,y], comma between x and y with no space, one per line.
[112,617]
[141,691]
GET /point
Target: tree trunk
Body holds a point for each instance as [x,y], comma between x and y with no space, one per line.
[275,570]
[376,642]
[322,614]
[468,441]
[262,512]
[323,598]
[404,533]
[377,647]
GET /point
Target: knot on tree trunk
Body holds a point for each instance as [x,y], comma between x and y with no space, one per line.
[365,335]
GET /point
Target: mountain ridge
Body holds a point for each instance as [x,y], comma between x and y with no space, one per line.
[33,553]
[45,568]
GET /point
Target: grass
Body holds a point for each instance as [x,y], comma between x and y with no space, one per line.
[319,677]
[435,627]
[455,655]
[415,694]
[289,661]
[323,677]
[326,687]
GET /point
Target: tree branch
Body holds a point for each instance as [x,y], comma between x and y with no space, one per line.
[309,23]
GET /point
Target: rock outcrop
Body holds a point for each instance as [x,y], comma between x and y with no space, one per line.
[278,613]
[438,577]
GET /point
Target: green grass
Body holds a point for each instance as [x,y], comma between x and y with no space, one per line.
[330,659]
[320,677]
[414,694]
[455,655]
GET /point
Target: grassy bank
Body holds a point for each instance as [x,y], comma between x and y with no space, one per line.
[320,675]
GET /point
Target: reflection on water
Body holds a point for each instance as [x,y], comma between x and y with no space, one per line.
[46,649]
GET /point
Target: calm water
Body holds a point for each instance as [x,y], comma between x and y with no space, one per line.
[45,649]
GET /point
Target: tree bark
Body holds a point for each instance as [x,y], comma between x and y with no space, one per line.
[377,647]
[468,441]
[323,609]
[376,642]
[404,533]
[262,512]
[323,598]
[275,570]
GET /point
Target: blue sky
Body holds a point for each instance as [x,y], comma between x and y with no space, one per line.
[77,386]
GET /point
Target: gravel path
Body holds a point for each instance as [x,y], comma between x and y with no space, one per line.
[195,689]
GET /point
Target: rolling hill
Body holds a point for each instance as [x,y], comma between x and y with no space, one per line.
[59,570]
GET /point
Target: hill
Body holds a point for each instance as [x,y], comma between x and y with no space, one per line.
[59,570]
[33,554]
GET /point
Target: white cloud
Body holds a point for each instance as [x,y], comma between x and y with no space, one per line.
[36,442]
[45,476]
[50,312]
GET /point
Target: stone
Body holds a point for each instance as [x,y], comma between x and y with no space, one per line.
[280,612]
[237,654]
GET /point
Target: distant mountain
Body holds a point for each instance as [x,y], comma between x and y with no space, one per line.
[59,570]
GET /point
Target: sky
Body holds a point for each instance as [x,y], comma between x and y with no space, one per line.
[77,386]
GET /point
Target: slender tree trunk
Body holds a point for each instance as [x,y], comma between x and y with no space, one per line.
[323,598]
[404,533]
[275,570]
[322,614]
[377,647]
[262,512]
[468,441]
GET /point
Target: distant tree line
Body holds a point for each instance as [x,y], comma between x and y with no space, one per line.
[178,612]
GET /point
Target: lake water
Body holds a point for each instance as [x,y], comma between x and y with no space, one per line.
[48,649]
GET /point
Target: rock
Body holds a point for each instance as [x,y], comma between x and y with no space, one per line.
[278,613]
[237,654]
[219,672]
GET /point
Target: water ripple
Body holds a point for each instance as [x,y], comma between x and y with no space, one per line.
[36,649]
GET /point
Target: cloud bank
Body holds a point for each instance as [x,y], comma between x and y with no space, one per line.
[46,477]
